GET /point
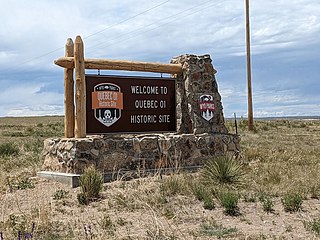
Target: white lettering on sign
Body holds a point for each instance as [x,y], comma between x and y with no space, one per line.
[164,118]
[107,95]
[149,104]
[146,104]
[143,119]
[164,90]
[111,104]
[145,90]
[162,104]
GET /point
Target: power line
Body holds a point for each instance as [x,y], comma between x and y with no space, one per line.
[127,19]
[145,26]
[161,25]
[95,33]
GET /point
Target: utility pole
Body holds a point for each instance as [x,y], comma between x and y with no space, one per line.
[250,111]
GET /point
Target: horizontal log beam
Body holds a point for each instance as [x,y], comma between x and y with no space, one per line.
[106,64]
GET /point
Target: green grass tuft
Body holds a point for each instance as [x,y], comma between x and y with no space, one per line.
[313,225]
[8,149]
[60,194]
[292,202]
[267,205]
[229,200]
[173,185]
[91,184]
[216,230]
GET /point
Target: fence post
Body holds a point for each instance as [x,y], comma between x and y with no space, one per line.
[69,93]
[80,117]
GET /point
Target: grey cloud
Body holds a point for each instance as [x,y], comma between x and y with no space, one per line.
[285,52]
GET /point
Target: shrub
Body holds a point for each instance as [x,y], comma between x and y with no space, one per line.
[107,225]
[8,149]
[208,203]
[313,226]
[200,191]
[18,223]
[243,123]
[223,170]
[19,183]
[34,146]
[203,194]
[82,199]
[215,230]
[267,205]
[292,202]
[229,200]
[173,185]
[315,191]
[106,222]
[59,194]
[249,198]
[91,184]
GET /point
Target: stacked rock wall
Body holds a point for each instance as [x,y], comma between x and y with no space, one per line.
[138,152]
[201,133]
[197,78]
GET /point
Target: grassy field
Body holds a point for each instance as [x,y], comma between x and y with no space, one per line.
[277,198]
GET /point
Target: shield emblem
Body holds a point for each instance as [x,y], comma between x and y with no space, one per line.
[207,107]
[107,103]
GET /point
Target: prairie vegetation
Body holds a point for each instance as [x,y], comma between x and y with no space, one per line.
[271,192]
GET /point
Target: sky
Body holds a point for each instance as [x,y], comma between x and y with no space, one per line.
[285,48]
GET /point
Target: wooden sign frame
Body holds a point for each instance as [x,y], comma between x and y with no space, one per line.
[74,62]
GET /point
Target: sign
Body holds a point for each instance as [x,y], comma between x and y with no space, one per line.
[130,104]
[107,103]
[207,107]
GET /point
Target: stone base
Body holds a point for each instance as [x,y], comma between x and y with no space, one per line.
[69,179]
[112,153]
[73,180]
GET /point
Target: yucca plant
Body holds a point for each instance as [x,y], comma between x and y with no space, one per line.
[91,184]
[223,170]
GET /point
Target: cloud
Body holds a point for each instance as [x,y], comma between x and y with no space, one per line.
[30,97]
[284,37]
[36,110]
[282,24]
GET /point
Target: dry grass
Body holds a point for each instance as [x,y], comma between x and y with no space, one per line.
[280,157]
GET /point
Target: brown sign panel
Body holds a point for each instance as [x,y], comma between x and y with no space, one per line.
[130,104]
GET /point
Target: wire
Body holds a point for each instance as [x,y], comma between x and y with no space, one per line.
[174,16]
[95,33]
[161,25]
[127,19]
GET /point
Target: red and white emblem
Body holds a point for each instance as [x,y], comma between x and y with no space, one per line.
[207,107]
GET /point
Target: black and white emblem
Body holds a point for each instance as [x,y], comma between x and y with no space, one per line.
[107,103]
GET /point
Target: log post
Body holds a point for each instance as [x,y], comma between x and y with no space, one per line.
[108,64]
[80,117]
[69,93]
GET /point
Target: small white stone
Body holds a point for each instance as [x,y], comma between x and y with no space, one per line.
[68,146]
[95,152]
